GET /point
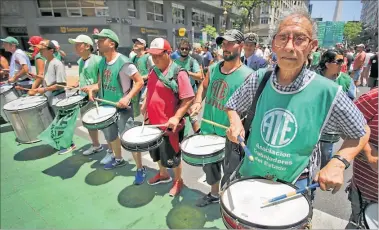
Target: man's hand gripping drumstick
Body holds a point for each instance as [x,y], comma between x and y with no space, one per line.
[239,138]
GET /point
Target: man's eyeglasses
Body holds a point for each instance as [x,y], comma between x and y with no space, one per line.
[184,49]
[299,42]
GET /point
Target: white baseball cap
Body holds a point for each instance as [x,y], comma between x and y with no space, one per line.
[81,39]
[139,40]
[55,43]
[158,45]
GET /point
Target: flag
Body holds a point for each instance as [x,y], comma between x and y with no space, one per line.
[61,131]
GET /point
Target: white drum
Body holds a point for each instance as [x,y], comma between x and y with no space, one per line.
[7,94]
[242,200]
[199,150]
[29,117]
[99,118]
[71,102]
[141,139]
[371,216]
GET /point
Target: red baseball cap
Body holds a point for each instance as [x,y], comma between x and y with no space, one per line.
[35,40]
[158,45]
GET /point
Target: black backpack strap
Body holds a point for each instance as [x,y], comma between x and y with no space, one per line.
[252,109]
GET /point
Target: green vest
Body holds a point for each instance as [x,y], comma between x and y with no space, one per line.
[89,75]
[141,64]
[111,88]
[344,80]
[38,56]
[286,129]
[220,89]
[187,64]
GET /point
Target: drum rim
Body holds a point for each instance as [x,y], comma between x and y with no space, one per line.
[364,213]
[310,213]
[33,107]
[12,87]
[89,124]
[83,100]
[141,143]
[197,156]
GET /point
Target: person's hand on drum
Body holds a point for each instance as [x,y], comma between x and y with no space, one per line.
[124,102]
[41,90]
[89,91]
[11,80]
[331,176]
[195,109]
[235,129]
[32,92]
[173,123]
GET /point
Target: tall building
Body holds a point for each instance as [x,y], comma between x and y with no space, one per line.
[337,11]
[266,17]
[148,19]
[369,13]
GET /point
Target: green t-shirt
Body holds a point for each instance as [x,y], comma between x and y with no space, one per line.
[186,64]
[315,58]
[38,56]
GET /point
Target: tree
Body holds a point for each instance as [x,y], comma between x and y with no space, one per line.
[210,30]
[351,31]
[247,7]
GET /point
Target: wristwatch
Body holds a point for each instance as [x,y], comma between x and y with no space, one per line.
[347,164]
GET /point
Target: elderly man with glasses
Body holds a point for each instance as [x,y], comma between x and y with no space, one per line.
[294,108]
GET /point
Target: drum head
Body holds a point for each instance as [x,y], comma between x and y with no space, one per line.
[5,88]
[137,135]
[243,200]
[203,144]
[25,103]
[371,216]
[69,101]
[105,112]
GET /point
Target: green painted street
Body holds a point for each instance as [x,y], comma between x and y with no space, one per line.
[41,189]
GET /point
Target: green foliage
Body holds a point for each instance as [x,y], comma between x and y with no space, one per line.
[210,30]
[352,30]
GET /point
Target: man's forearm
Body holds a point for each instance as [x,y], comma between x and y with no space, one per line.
[24,70]
[37,82]
[135,90]
[183,107]
[196,76]
[200,95]
[233,116]
[351,147]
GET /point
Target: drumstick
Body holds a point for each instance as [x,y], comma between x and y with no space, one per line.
[108,102]
[97,107]
[21,88]
[143,125]
[240,139]
[290,194]
[65,86]
[161,125]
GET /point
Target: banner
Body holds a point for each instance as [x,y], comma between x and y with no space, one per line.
[61,131]
[330,33]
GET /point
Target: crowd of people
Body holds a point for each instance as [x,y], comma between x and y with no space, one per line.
[279,100]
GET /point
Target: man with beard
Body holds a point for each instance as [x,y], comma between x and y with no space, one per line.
[220,82]
[194,72]
[144,63]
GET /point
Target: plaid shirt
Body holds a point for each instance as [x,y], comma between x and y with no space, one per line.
[345,117]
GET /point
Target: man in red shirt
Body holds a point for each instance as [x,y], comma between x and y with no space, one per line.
[364,187]
[358,63]
[169,96]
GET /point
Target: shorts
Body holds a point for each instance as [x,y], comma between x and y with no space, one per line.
[357,74]
[125,121]
[166,154]
[229,164]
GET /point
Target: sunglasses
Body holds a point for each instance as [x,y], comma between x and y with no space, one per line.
[338,62]
[184,49]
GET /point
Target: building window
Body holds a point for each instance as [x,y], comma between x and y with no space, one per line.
[132,9]
[154,10]
[201,18]
[265,9]
[265,20]
[178,13]
[72,8]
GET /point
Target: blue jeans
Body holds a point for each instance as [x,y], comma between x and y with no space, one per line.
[326,153]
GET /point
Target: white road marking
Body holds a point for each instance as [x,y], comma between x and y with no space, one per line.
[323,220]
[83,129]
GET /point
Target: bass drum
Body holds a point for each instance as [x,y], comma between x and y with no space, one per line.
[29,117]
[7,94]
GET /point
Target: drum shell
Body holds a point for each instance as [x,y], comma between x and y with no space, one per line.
[330,137]
[6,97]
[242,224]
[29,123]
[201,160]
[101,125]
[24,84]
[141,147]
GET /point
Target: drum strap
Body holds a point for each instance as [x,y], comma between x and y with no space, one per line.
[251,112]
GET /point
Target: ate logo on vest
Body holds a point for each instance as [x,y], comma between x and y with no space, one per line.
[219,89]
[278,128]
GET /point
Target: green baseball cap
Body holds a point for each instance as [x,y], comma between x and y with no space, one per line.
[81,39]
[10,40]
[107,33]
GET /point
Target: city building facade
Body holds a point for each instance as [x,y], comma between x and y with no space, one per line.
[62,19]
[369,13]
[266,17]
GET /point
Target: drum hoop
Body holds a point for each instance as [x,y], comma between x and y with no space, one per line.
[69,105]
[364,214]
[140,143]
[310,213]
[11,88]
[110,118]
[200,156]
[33,107]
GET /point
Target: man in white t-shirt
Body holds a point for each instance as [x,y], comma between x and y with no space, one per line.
[116,76]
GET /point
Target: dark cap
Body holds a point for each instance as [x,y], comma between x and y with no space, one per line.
[46,44]
[231,35]
[251,37]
